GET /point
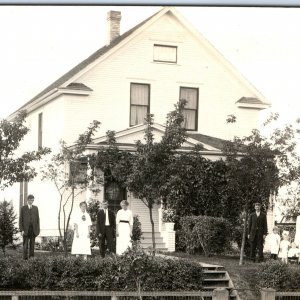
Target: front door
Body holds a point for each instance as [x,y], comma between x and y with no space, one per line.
[114,194]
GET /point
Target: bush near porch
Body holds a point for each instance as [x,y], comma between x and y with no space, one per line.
[210,235]
[113,273]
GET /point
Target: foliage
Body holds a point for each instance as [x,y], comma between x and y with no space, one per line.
[113,273]
[168,215]
[143,172]
[290,201]
[93,206]
[8,229]
[151,159]
[137,233]
[196,186]
[54,243]
[278,275]
[209,234]
[14,168]
[65,171]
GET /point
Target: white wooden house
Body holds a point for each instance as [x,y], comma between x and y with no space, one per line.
[146,69]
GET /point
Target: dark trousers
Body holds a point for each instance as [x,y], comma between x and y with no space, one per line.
[28,239]
[107,236]
[257,244]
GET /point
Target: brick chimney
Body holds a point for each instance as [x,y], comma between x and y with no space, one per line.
[113,25]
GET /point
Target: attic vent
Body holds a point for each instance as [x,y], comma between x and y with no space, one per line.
[165,53]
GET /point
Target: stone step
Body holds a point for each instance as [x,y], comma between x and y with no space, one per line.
[217,282]
[215,274]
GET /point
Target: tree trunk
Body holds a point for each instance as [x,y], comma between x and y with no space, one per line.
[65,244]
[153,231]
[243,239]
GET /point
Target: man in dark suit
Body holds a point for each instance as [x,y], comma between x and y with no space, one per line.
[257,231]
[106,227]
[29,224]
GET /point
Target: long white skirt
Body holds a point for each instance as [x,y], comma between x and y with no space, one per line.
[124,239]
[81,245]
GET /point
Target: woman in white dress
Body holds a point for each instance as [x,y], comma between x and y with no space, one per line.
[82,225]
[124,223]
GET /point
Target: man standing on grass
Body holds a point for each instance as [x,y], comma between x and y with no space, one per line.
[257,231]
[29,224]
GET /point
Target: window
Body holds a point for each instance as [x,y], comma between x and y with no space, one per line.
[40,131]
[191,108]
[139,103]
[164,53]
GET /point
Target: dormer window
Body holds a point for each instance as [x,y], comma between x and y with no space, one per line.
[165,53]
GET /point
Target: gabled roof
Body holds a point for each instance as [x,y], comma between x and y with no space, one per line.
[64,80]
[125,139]
[86,62]
[209,140]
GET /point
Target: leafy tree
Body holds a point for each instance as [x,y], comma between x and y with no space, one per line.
[8,229]
[68,171]
[13,167]
[259,165]
[142,171]
[151,159]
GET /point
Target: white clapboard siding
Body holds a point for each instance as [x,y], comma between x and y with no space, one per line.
[139,208]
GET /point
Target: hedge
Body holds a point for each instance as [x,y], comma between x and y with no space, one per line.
[113,273]
[212,235]
[279,276]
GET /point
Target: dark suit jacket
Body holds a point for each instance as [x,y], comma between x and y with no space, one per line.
[100,225]
[257,225]
[24,219]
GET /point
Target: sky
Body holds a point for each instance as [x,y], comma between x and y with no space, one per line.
[41,43]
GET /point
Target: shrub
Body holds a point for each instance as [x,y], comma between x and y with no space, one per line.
[8,229]
[133,269]
[136,229]
[275,274]
[209,234]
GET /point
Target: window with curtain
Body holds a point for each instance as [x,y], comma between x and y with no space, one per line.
[165,53]
[139,103]
[190,111]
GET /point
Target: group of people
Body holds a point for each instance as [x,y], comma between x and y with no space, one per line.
[109,228]
[282,247]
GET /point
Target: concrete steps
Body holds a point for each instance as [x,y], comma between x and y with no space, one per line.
[215,276]
[146,241]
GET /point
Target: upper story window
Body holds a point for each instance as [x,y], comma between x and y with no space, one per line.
[191,109]
[164,53]
[139,103]
[40,131]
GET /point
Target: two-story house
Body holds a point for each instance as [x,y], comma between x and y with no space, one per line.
[145,70]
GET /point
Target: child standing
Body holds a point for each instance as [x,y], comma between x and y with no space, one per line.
[293,253]
[274,242]
[284,247]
